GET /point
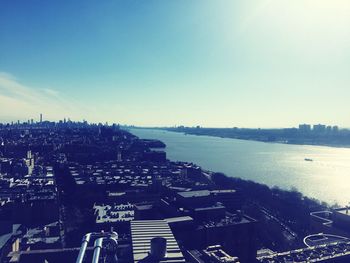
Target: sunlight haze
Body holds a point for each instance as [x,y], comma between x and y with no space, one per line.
[261,63]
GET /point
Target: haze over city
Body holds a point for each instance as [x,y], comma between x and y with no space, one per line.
[266,63]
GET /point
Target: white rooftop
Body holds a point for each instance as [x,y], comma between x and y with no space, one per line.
[142,231]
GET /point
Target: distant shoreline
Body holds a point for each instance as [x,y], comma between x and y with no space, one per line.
[345,146]
[272,142]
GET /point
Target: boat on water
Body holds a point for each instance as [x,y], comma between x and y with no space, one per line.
[308,159]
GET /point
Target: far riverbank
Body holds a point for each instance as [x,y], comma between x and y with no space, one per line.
[281,136]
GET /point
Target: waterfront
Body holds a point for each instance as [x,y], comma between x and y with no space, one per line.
[325,178]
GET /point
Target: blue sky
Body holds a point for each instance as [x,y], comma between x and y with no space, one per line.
[248,63]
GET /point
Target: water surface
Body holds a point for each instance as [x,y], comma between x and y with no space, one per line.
[326,178]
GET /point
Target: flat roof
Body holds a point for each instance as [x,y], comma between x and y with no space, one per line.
[323,239]
[344,211]
[142,231]
[224,191]
[208,208]
[178,219]
[319,253]
[116,213]
[189,194]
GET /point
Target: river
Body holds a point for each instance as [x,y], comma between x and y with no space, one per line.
[326,178]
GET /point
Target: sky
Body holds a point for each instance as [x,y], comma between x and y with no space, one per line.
[244,63]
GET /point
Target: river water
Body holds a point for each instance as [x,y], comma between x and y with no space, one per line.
[326,178]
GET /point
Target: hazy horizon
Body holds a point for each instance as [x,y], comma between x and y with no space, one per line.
[37,120]
[251,63]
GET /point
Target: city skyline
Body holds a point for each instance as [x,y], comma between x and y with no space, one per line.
[305,127]
[215,64]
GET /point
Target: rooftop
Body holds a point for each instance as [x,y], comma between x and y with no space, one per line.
[226,191]
[179,219]
[310,254]
[142,231]
[322,239]
[218,254]
[114,213]
[344,211]
[200,193]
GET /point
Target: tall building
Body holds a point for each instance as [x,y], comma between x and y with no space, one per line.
[41,117]
[30,162]
[319,128]
[304,128]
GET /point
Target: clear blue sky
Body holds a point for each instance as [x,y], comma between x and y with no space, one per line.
[247,63]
